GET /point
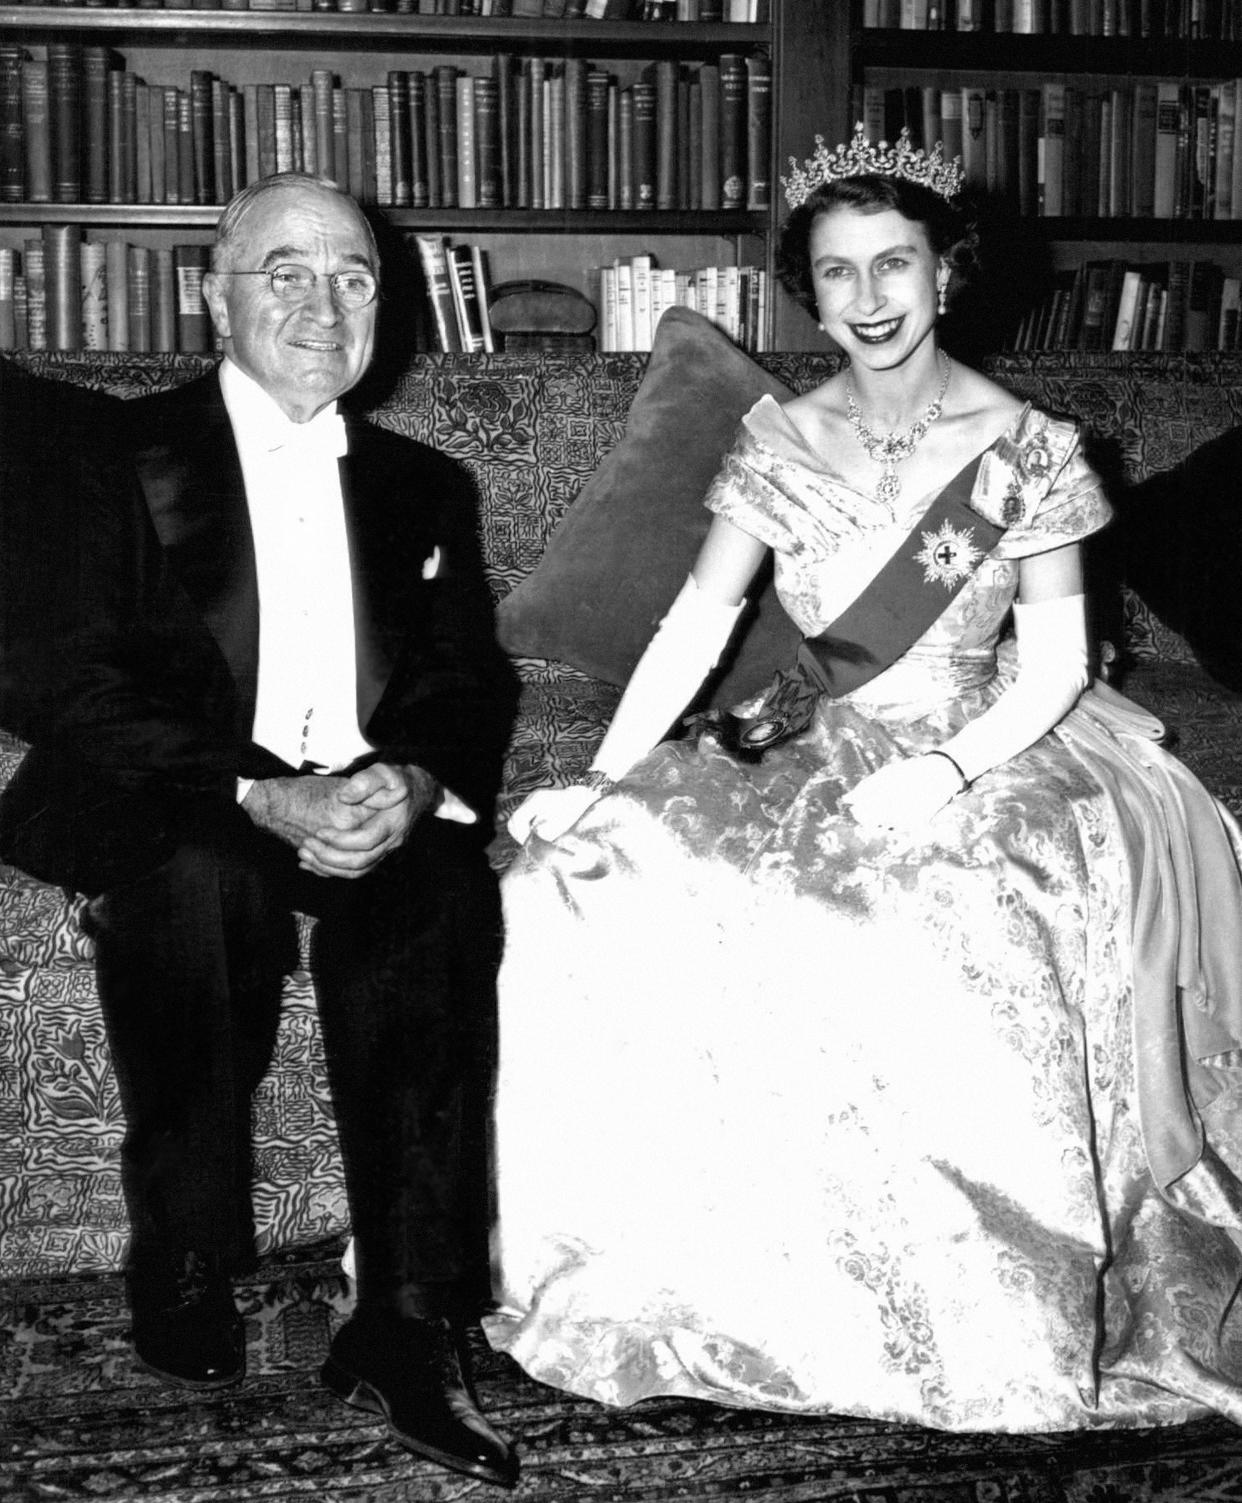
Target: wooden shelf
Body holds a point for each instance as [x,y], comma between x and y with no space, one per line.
[1007,52]
[381,31]
[499,221]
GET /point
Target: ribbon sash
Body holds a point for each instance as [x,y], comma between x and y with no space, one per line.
[912,590]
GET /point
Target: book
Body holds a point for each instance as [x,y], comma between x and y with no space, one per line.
[489,177]
[951,122]
[709,171]
[1225,109]
[93,295]
[163,300]
[36,293]
[1164,171]
[443,81]
[733,168]
[467,173]
[1124,324]
[12,134]
[189,264]
[116,270]
[643,194]
[1051,148]
[758,131]
[597,175]
[323,83]
[64,75]
[466,303]
[8,301]
[62,272]
[666,135]
[1143,149]
[483,290]
[433,258]
[974,155]
[576,133]
[138,262]
[102,120]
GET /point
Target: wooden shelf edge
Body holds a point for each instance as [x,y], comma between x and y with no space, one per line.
[431,33]
[529,221]
[1010,52]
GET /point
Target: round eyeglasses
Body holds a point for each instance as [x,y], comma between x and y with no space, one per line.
[294,284]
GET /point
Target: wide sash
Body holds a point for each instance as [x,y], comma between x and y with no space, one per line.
[912,589]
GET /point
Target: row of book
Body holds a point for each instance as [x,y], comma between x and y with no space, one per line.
[591,10]
[1111,304]
[635,292]
[530,133]
[1146,148]
[61,292]
[458,293]
[1216,20]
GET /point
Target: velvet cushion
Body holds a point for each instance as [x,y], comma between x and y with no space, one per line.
[623,550]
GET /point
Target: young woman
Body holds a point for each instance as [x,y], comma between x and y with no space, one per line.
[873,1050]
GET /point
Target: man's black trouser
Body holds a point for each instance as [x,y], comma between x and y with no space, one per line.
[190,961]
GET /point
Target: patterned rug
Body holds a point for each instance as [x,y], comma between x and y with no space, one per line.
[77,1421]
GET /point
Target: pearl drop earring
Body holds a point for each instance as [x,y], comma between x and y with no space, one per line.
[944,301]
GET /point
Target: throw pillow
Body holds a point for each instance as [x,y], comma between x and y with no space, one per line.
[623,550]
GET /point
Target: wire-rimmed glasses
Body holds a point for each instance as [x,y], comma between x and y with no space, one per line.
[293,283]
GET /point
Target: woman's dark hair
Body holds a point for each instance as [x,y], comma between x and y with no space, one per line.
[950,233]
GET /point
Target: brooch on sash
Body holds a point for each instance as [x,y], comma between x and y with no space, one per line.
[948,555]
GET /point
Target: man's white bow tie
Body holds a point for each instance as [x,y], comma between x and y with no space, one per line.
[322,438]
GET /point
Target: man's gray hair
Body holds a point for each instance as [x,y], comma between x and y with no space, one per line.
[229,225]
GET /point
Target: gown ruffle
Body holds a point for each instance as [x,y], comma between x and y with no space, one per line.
[795,1116]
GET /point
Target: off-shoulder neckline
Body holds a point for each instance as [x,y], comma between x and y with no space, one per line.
[808,456]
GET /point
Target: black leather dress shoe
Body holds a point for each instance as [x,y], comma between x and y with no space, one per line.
[185,1325]
[410,1371]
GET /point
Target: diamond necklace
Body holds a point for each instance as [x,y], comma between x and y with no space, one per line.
[887,448]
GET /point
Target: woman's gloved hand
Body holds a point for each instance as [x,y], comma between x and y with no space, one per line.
[549,812]
[905,794]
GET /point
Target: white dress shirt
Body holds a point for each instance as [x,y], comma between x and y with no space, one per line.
[306,703]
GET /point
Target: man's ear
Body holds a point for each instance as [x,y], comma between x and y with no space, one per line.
[217,303]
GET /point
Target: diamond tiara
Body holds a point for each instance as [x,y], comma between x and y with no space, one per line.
[928,169]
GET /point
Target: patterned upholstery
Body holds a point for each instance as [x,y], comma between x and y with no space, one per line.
[531,429]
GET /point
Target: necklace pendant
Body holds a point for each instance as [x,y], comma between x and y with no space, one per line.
[889,487]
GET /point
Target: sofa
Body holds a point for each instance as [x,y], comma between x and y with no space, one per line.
[570,453]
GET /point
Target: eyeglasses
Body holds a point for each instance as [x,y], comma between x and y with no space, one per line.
[294,284]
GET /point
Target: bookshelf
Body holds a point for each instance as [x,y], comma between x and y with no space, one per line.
[1071,100]
[549,235]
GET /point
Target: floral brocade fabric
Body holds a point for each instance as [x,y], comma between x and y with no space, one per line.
[938,1129]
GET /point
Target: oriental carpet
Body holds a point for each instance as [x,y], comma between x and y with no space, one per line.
[79,1422]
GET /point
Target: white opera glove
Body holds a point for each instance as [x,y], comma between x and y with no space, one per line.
[904,794]
[685,648]
[1052,673]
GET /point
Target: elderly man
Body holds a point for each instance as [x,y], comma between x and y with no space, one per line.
[282,694]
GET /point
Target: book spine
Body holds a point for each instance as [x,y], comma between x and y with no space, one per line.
[444,81]
[732,131]
[644,190]
[62,271]
[8,311]
[381,113]
[433,257]
[709,173]
[465,297]
[201,136]
[322,80]
[489,176]
[138,265]
[163,300]
[597,92]
[12,136]
[666,133]
[101,134]
[64,64]
[506,105]
[466,152]
[399,130]
[36,294]
[1168,116]
[221,151]
[189,264]
[116,257]
[431,139]
[483,291]
[759,131]
[93,295]
[575,133]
